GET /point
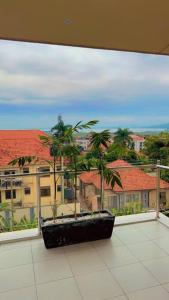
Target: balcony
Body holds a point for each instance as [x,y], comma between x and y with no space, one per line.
[8,183]
[133,264]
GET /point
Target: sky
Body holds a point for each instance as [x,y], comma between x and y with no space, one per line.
[120,89]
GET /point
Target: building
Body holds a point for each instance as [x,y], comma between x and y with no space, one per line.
[138,186]
[83,142]
[138,142]
[22,190]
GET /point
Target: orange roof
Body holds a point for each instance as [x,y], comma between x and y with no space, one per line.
[132,178]
[16,143]
[138,138]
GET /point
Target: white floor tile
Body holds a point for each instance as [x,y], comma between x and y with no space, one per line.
[163,243]
[15,257]
[159,268]
[65,289]
[14,278]
[166,286]
[147,250]
[155,230]
[20,294]
[14,245]
[155,293]
[98,286]
[108,243]
[117,256]
[50,270]
[85,261]
[132,236]
[40,253]
[134,277]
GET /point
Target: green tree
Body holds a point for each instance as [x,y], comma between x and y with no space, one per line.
[156,147]
[116,151]
[73,151]
[122,137]
[99,142]
[58,131]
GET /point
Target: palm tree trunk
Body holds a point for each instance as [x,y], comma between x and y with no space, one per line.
[12,212]
[102,189]
[75,188]
[101,182]
[62,180]
[55,200]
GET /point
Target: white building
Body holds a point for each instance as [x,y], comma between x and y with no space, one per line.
[138,142]
[83,142]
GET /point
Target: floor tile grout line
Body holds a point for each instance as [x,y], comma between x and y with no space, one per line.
[114,279]
[161,248]
[78,288]
[34,274]
[17,289]
[141,262]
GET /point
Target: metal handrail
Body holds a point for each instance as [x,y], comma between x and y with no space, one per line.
[157,166]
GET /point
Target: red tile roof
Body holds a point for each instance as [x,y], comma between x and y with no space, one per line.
[137,138]
[16,143]
[132,178]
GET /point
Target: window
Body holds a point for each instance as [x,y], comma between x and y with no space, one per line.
[25,170]
[112,202]
[132,197]
[27,191]
[8,194]
[59,188]
[163,197]
[9,172]
[45,191]
[45,169]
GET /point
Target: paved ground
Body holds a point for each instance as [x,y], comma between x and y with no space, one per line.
[133,265]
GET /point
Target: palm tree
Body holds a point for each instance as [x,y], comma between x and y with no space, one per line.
[73,151]
[99,142]
[122,137]
[58,131]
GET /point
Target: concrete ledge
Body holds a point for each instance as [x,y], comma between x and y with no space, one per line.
[137,218]
[9,237]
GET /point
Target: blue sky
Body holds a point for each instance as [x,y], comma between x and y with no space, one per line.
[38,82]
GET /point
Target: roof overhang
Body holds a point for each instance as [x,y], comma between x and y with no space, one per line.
[127,25]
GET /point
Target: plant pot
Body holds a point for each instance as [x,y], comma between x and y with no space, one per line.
[87,227]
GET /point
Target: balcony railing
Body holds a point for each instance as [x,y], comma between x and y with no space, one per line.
[7,183]
[26,212]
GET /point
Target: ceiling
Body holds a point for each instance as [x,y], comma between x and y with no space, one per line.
[127,25]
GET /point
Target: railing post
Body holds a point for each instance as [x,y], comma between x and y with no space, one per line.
[158,191]
[38,203]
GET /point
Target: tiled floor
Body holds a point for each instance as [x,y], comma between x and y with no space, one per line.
[133,265]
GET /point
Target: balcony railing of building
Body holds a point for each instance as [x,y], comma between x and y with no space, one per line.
[22,206]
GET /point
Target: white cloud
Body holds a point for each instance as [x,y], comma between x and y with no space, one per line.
[46,74]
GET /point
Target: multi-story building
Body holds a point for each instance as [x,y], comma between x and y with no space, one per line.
[22,190]
[138,142]
[138,186]
[83,142]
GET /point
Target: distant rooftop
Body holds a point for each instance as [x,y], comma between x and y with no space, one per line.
[16,143]
[136,138]
[132,178]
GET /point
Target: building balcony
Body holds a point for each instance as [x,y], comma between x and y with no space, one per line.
[132,265]
[8,183]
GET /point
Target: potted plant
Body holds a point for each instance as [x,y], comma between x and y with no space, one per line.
[78,227]
[83,227]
